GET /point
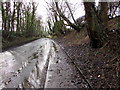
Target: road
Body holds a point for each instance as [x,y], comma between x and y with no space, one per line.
[39,64]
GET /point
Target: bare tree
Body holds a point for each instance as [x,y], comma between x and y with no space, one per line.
[18,16]
[3,16]
[13,17]
[64,12]
[73,25]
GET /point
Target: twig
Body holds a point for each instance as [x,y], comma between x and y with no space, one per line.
[117,71]
[103,45]
[115,58]
[117,68]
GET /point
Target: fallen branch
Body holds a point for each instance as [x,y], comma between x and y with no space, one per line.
[115,58]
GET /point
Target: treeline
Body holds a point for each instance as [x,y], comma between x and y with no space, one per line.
[19,20]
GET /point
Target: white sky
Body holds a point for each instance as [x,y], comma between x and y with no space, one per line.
[41,10]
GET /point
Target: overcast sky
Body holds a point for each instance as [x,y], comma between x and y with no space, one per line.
[41,10]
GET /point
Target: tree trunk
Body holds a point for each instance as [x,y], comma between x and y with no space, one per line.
[94,26]
[8,16]
[13,18]
[104,13]
[71,12]
[3,16]
[18,18]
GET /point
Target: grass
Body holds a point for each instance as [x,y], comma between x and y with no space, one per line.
[75,37]
[16,42]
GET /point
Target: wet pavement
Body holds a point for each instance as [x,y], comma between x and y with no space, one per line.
[39,64]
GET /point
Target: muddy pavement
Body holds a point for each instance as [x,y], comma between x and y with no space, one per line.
[39,64]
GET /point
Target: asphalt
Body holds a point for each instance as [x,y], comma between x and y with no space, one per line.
[38,64]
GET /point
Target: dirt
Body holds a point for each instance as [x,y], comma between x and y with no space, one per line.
[100,66]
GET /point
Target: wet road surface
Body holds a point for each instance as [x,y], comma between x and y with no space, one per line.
[39,64]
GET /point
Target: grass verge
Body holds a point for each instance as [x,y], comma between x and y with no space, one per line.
[16,42]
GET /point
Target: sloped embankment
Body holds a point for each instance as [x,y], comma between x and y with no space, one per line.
[100,66]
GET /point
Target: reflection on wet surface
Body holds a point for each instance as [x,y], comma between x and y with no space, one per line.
[26,66]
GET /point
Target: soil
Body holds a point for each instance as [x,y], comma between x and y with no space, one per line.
[100,66]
